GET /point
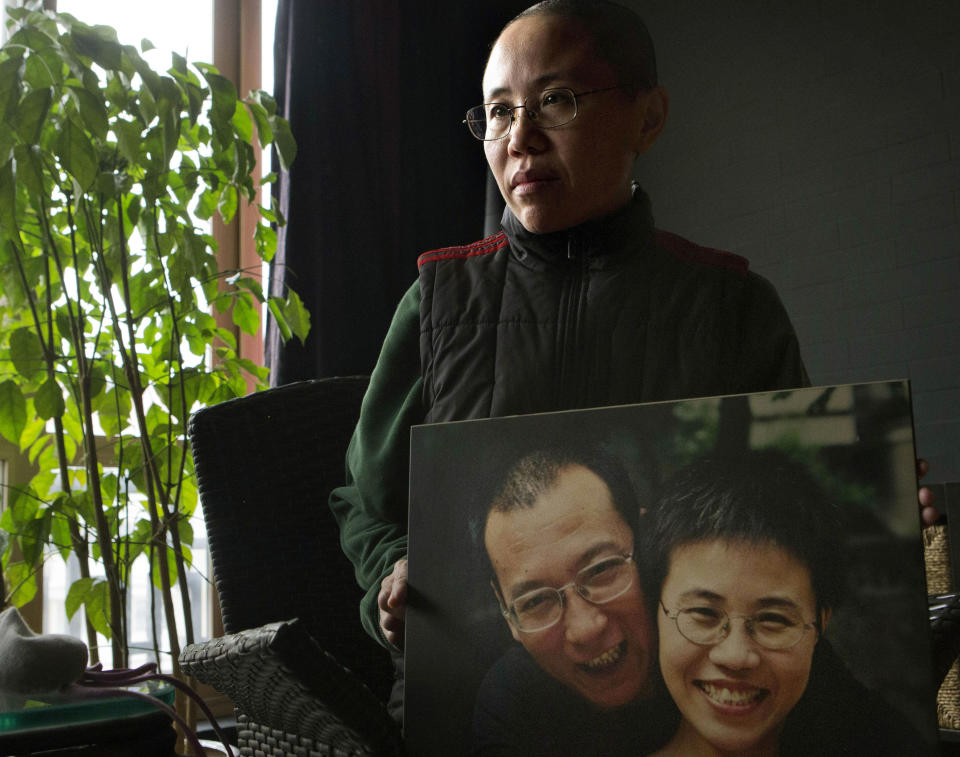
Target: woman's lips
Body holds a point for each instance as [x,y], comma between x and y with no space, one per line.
[527,182]
[732,697]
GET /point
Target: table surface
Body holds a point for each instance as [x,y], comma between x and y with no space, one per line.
[77,708]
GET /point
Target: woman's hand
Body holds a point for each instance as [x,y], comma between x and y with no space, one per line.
[392,601]
[928,511]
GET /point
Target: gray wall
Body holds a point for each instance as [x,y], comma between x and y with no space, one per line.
[822,141]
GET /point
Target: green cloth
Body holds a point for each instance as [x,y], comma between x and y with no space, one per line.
[371,508]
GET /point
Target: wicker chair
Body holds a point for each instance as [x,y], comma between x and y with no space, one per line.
[305,679]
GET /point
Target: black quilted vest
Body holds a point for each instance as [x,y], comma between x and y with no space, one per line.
[610,312]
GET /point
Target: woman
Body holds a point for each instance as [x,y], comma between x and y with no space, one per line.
[745,559]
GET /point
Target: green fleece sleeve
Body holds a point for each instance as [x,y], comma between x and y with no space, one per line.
[371,508]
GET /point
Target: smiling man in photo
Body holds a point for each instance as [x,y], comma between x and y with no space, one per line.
[559,538]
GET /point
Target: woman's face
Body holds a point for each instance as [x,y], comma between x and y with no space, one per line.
[735,694]
[555,178]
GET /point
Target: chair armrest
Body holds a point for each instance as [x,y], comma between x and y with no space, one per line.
[945,632]
[279,676]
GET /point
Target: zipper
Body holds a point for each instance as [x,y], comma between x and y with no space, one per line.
[571,336]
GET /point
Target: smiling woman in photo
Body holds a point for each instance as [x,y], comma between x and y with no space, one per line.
[747,560]
[737,627]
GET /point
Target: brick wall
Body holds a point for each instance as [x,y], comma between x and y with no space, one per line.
[822,141]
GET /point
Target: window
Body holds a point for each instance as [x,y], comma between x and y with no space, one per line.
[187,27]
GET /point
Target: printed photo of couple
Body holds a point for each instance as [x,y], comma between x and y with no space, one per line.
[728,575]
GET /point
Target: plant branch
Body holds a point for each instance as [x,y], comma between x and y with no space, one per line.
[91,462]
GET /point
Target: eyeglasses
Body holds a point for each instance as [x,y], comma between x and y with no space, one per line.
[599,582]
[555,107]
[780,628]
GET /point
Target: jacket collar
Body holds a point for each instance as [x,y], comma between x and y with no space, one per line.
[604,241]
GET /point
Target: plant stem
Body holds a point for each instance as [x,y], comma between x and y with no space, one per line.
[103,534]
[77,539]
[131,364]
[177,359]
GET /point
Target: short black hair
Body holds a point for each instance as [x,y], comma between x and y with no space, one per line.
[758,497]
[537,471]
[620,37]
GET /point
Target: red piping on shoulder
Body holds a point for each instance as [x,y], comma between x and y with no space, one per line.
[483,247]
[694,253]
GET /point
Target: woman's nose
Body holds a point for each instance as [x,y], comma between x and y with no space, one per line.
[525,135]
[737,651]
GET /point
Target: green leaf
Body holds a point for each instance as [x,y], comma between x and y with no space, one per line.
[169,111]
[10,72]
[33,537]
[248,283]
[99,43]
[32,432]
[179,64]
[8,208]
[164,552]
[268,214]
[297,316]
[48,401]
[108,487]
[23,506]
[245,315]
[21,582]
[76,595]
[276,310]
[146,100]
[92,111]
[60,535]
[29,35]
[266,242]
[113,419]
[30,114]
[13,411]
[98,381]
[206,205]
[97,606]
[265,100]
[128,138]
[188,505]
[26,352]
[224,98]
[242,123]
[262,119]
[29,168]
[83,505]
[184,528]
[283,139]
[228,338]
[139,539]
[77,154]
[228,203]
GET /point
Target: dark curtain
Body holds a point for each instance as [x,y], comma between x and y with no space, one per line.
[375,92]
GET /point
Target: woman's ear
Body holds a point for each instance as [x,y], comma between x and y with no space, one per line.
[655,105]
[825,615]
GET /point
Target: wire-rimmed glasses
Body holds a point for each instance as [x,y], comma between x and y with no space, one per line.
[781,627]
[601,581]
[555,107]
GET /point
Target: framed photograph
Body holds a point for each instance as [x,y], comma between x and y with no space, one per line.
[741,572]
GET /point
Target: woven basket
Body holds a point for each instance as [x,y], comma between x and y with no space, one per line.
[936,554]
[936,558]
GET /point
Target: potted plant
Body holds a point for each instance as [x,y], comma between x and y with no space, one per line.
[106,289]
